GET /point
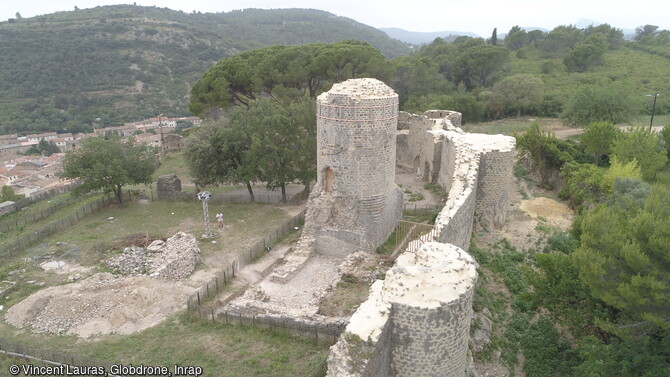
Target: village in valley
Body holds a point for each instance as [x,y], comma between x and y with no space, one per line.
[31,174]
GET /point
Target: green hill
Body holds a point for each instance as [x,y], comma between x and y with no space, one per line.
[121,63]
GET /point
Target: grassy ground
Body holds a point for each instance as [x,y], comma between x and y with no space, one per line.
[10,236]
[221,350]
[98,235]
[508,126]
[659,120]
[175,163]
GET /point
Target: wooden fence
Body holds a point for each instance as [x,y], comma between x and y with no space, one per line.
[14,221]
[225,275]
[197,305]
[327,332]
[43,195]
[50,357]
[24,242]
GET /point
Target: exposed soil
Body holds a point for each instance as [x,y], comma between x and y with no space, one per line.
[412,185]
[101,304]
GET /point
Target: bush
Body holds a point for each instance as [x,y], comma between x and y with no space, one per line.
[599,103]
[642,145]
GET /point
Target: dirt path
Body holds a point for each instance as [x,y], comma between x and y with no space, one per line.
[412,185]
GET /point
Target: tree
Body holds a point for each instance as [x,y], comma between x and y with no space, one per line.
[282,71]
[521,92]
[9,194]
[494,37]
[599,103]
[266,141]
[43,148]
[415,75]
[516,38]
[598,138]
[648,31]
[665,134]
[624,257]
[109,165]
[283,141]
[478,65]
[218,153]
[642,145]
[542,148]
[561,39]
[587,54]
[613,35]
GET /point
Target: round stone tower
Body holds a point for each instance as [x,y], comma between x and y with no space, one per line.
[431,293]
[358,200]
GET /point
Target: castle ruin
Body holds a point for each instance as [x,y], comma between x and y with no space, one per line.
[416,321]
[357,199]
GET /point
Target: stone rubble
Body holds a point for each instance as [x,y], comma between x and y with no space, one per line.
[173,259]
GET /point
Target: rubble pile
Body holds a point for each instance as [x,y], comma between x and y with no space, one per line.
[101,304]
[173,259]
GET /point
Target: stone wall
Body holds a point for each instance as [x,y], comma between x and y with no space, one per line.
[416,321]
[168,187]
[475,170]
[494,179]
[355,193]
[390,336]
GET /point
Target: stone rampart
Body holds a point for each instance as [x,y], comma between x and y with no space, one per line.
[388,336]
[416,321]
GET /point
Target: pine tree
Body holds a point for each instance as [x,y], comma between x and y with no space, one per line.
[624,257]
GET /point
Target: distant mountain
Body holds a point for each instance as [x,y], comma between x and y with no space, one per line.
[583,23]
[121,63]
[419,37]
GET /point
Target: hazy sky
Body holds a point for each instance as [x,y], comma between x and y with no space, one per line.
[479,17]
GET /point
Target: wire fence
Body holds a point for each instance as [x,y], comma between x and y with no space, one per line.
[12,222]
[49,357]
[43,195]
[25,242]
[227,274]
[197,303]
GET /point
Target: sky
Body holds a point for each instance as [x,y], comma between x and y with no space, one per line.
[479,17]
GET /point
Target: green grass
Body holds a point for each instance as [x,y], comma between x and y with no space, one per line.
[220,349]
[508,126]
[99,238]
[10,236]
[174,162]
[440,193]
[245,225]
[659,120]
[389,245]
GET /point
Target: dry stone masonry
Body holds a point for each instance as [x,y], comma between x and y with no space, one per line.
[168,187]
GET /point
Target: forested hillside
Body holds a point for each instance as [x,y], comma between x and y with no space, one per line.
[63,71]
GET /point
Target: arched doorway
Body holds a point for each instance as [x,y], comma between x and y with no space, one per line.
[330,180]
